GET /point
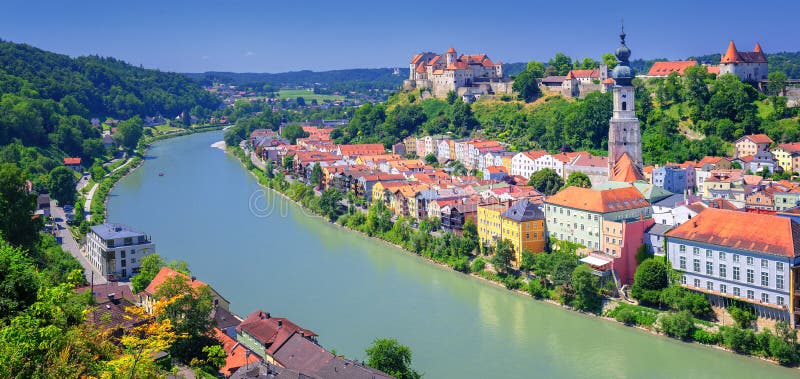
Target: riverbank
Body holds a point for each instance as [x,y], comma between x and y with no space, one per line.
[701,333]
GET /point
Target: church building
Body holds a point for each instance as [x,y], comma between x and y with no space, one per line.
[624,136]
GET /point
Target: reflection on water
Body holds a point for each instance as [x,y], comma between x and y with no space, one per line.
[351,289]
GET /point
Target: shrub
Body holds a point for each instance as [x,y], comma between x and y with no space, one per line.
[477,265]
[536,289]
[626,316]
[460,264]
[742,313]
[678,325]
[708,338]
[511,282]
[738,339]
[651,277]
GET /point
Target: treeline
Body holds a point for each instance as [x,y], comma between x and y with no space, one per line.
[343,81]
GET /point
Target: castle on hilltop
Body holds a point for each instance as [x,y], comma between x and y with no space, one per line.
[470,76]
[749,66]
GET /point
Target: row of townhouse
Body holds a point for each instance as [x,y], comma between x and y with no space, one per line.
[526,163]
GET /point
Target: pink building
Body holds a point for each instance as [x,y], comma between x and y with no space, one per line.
[619,241]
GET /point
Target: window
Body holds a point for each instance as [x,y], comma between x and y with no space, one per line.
[765,298]
[709,268]
[696,251]
[683,279]
[750,276]
[710,285]
[722,255]
[765,279]
[737,291]
[736,274]
[751,295]
[736,257]
[749,261]
[723,288]
[764,264]
[696,265]
[779,281]
[682,248]
[123,263]
[780,300]
[133,260]
[683,264]
[709,254]
[779,266]
[723,270]
[122,253]
[697,283]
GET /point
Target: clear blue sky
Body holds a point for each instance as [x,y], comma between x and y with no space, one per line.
[284,35]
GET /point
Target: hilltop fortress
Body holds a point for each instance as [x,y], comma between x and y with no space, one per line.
[470,76]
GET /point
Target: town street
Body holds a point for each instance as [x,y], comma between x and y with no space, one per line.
[69,244]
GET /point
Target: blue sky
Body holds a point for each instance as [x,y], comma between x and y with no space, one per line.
[277,36]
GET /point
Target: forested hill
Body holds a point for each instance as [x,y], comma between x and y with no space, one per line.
[102,86]
[47,101]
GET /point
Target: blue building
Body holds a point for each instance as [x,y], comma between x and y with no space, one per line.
[670,177]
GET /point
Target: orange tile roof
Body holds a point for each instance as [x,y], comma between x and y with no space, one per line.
[774,235]
[496,169]
[583,74]
[166,273]
[72,161]
[793,147]
[451,50]
[434,60]
[713,69]
[415,59]
[362,149]
[731,55]
[608,81]
[757,138]
[601,201]
[565,157]
[665,68]
[237,354]
[625,171]
[534,154]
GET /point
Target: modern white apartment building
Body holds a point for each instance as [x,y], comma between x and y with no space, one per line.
[117,250]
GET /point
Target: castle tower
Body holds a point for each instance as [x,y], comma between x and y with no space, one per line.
[624,136]
[451,56]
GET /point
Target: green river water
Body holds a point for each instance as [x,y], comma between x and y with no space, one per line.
[259,251]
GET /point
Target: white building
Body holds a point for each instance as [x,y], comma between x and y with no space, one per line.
[524,163]
[748,66]
[117,250]
[466,74]
[720,253]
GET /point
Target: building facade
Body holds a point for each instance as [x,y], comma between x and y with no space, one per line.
[748,66]
[624,135]
[671,178]
[721,254]
[467,74]
[117,250]
[523,225]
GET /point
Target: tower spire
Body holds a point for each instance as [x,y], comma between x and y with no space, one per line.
[622,29]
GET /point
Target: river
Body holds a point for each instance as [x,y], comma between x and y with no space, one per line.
[268,254]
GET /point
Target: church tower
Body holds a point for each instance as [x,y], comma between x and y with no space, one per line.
[624,136]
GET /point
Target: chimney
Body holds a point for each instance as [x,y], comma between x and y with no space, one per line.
[280,323]
[111,295]
[194,278]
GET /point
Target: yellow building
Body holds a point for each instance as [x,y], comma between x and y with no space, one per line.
[490,223]
[523,225]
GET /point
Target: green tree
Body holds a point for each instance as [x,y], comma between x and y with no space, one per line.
[651,277]
[561,64]
[17,225]
[678,325]
[585,286]
[188,310]
[98,171]
[526,84]
[288,161]
[316,175]
[292,132]
[329,203]
[150,265]
[578,179]
[269,169]
[19,281]
[610,60]
[777,83]
[389,356]
[528,260]
[536,69]
[451,97]
[546,181]
[430,159]
[503,255]
[129,132]
[61,184]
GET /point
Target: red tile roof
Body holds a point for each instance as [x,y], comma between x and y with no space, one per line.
[713,69]
[583,74]
[451,50]
[601,201]
[534,154]
[237,353]
[793,147]
[757,138]
[271,331]
[362,149]
[734,56]
[625,171]
[774,235]
[72,161]
[665,68]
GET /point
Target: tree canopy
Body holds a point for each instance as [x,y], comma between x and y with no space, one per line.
[389,356]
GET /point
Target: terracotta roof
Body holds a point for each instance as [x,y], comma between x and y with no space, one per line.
[420,68]
[625,171]
[434,60]
[793,147]
[775,235]
[496,169]
[756,138]
[665,68]
[608,81]
[271,331]
[586,159]
[595,73]
[362,149]
[451,50]
[534,154]
[72,161]
[713,69]
[166,273]
[602,201]
[237,353]
[565,157]
[734,56]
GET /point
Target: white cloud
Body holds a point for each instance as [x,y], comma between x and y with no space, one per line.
[249,54]
[205,57]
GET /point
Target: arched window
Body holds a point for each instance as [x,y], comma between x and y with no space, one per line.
[624,105]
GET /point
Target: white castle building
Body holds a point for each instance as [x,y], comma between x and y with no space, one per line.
[470,76]
[749,66]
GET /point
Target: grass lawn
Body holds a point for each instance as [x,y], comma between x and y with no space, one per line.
[307,95]
[163,129]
